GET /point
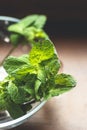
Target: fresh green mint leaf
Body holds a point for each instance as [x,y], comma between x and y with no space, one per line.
[41,51]
[12,63]
[16,93]
[57,91]
[22,24]
[65,80]
[27,69]
[41,74]
[52,65]
[14,109]
[39,23]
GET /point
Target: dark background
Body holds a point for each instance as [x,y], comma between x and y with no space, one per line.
[65,17]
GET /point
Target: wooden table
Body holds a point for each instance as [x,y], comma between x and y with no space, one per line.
[67,111]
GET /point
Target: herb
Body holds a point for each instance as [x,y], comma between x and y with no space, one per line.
[34,76]
[26,31]
[29,28]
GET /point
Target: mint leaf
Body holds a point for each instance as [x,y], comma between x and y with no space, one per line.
[17,94]
[41,51]
[22,24]
[41,74]
[39,23]
[14,110]
[65,80]
[52,65]
[12,63]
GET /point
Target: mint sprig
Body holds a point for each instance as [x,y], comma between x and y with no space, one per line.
[34,76]
[28,29]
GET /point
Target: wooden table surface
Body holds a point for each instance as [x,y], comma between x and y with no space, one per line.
[67,111]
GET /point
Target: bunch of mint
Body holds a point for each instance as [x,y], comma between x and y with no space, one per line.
[33,76]
[28,29]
